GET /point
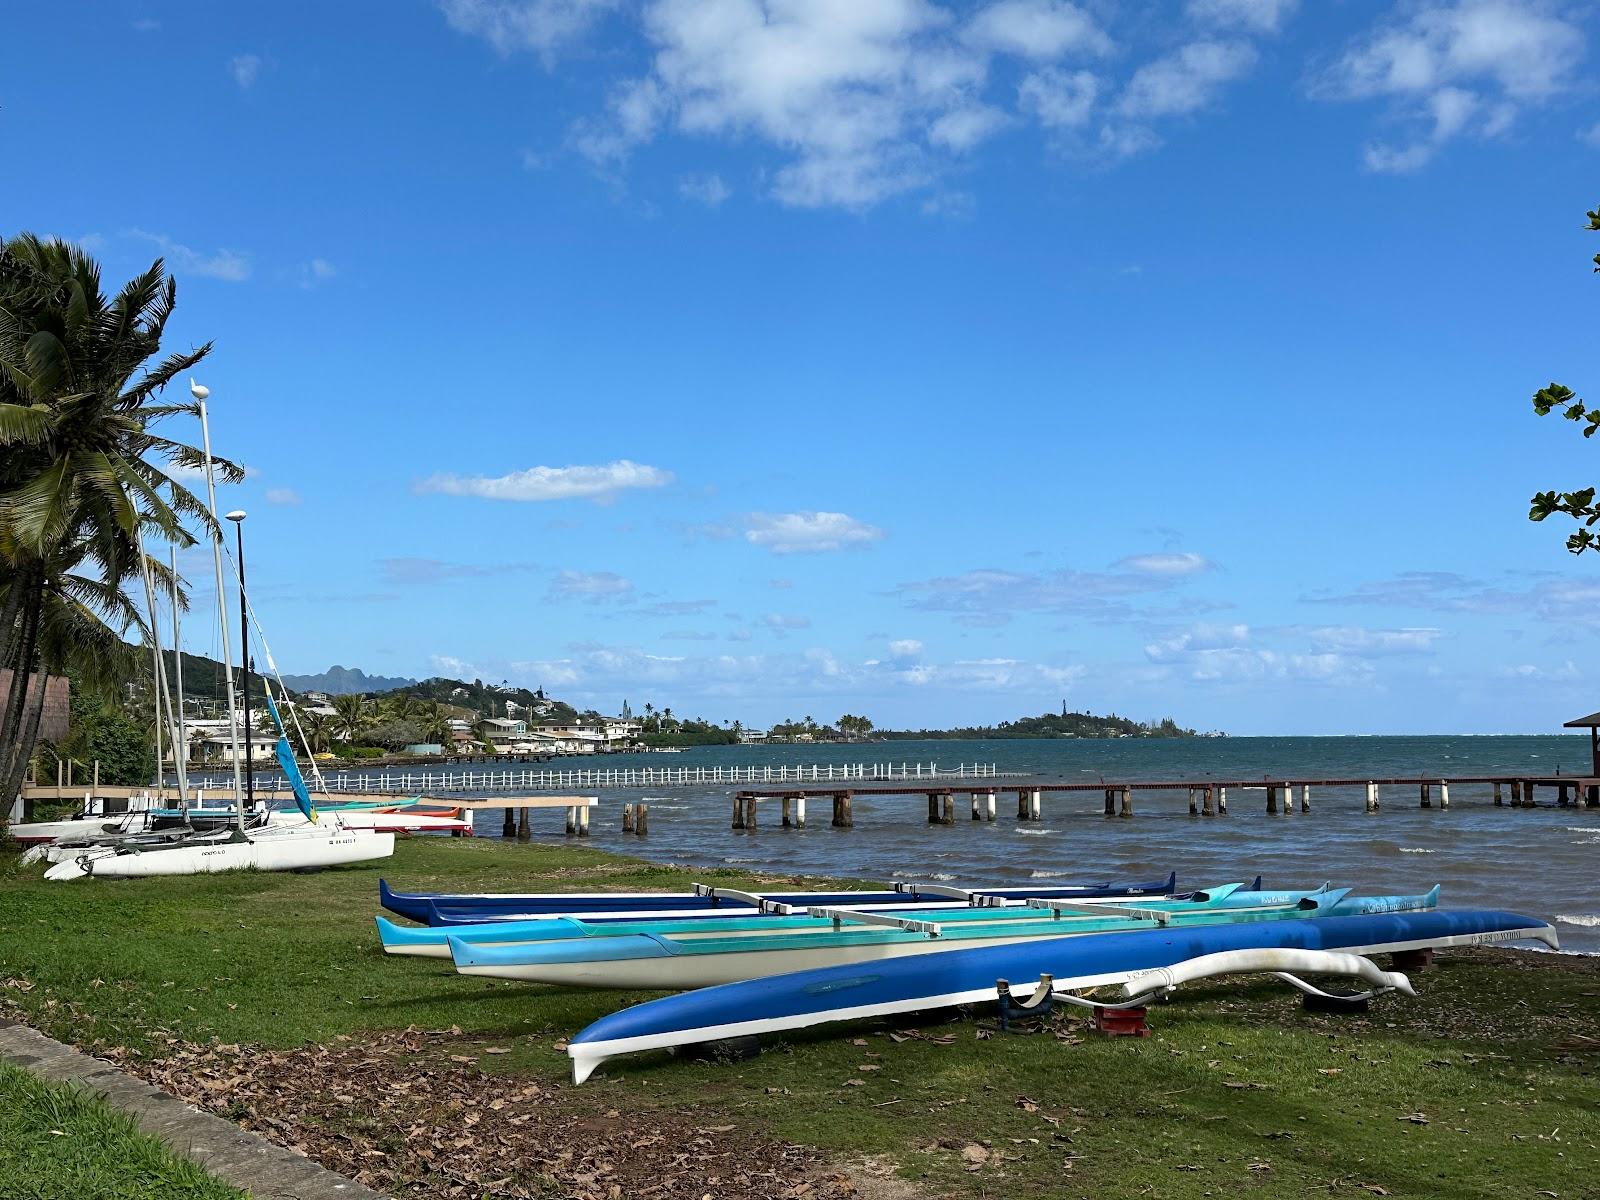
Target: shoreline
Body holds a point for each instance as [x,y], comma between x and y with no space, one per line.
[279,976]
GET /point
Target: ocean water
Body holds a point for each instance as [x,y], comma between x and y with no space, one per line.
[1539,861]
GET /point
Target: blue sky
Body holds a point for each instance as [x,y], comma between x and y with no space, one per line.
[939,361]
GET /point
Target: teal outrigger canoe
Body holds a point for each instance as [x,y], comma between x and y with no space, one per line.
[433,941]
[695,959]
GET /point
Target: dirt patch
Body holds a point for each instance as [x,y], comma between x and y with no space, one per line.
[406,1113]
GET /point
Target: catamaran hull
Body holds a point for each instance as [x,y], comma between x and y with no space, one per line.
[807,998]
[468,908]
[393,822]
[261,853]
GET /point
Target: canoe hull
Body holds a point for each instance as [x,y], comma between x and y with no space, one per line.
[809,998]
[294,852]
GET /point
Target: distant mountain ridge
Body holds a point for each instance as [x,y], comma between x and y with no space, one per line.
[340,681]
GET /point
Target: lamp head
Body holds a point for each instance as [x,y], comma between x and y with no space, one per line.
[237,515]
[198,390]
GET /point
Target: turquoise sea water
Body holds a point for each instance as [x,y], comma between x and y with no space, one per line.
[1542,861]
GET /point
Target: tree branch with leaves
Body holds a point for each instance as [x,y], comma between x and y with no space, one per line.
[1579,505]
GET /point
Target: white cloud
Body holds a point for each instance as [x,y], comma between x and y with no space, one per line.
[1257,16]
[1373,643]
[1059,99]
[599,483]
[1036,29]
[1187,563]
[1449,69]
[231,266]
[708,189]
[785,622]
[593,587]
[282,495]
[1591,135]
[963,128]
[537,25]
[245,69]
[808,532]
[905,650]
[1185,80]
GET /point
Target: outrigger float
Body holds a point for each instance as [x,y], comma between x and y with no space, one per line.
[1139,965]
[694,959]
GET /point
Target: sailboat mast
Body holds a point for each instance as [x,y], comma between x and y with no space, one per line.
[200,393]
[180,749]
[162,698]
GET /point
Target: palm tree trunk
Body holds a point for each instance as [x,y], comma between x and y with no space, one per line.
[30,738]
[8,617]
[11,729]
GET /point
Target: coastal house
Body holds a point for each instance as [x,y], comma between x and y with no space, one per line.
[752,737]
[504,731]
[218,747]
[555,743]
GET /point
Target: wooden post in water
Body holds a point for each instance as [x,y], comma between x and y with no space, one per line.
[842,817]
[1591,797]
[509,829]
[1194,808]
[627,818]
[1499,800]
[799,812]
[1561,795]
[523,832]
[933,808]
[738,810]
[1427,801]
[1444,794]
[572,820]
[1372,797]
[1516,793]
[1272,798]
[788,812]
[1208,805]
[1288,799]
[1527,794]
[1127,802]
[977,806]
[1305,797]
[1035,805]
[583,820]
[989,799]
[1111,802]
[750,812]
[1222,801]
[947,804]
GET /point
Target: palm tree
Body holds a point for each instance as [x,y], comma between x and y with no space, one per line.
[319,729]
[351,716]
[77,480]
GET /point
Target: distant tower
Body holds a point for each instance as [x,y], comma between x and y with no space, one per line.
[1063,707]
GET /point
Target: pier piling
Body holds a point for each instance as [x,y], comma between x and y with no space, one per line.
[1288,799]
[1127,802]
[1111,802]
[509,829]
[1222,801]
[1499,800]
[1305,797]
[1272,799]
[990,798]
[1208,804]
[977,806]
[738,811]
[749,812]
[1427,801]
[842,817]
[641,819]
[523,832]
[627,818]
[1444,794]
[583,820]
[1194,807]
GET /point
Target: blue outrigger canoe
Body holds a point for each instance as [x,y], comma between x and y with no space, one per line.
[931,981]
[443,908]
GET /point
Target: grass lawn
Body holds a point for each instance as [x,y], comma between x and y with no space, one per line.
[60,1142]
[1487,1085]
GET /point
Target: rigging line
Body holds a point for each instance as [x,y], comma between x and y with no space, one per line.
[272,664]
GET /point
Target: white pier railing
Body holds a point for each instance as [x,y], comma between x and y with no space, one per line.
[527,780]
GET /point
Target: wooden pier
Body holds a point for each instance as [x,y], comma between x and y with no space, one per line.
[1206,797]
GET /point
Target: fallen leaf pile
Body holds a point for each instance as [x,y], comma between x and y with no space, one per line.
[405,1114]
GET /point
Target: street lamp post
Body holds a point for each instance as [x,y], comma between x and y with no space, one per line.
[237,517]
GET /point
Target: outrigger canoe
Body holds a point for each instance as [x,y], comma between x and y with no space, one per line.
[1142,962]
[468,909]
[433,941]
[682,961]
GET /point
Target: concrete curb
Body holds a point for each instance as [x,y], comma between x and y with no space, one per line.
[236,1156]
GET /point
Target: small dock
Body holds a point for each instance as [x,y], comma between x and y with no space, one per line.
[1206,797]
